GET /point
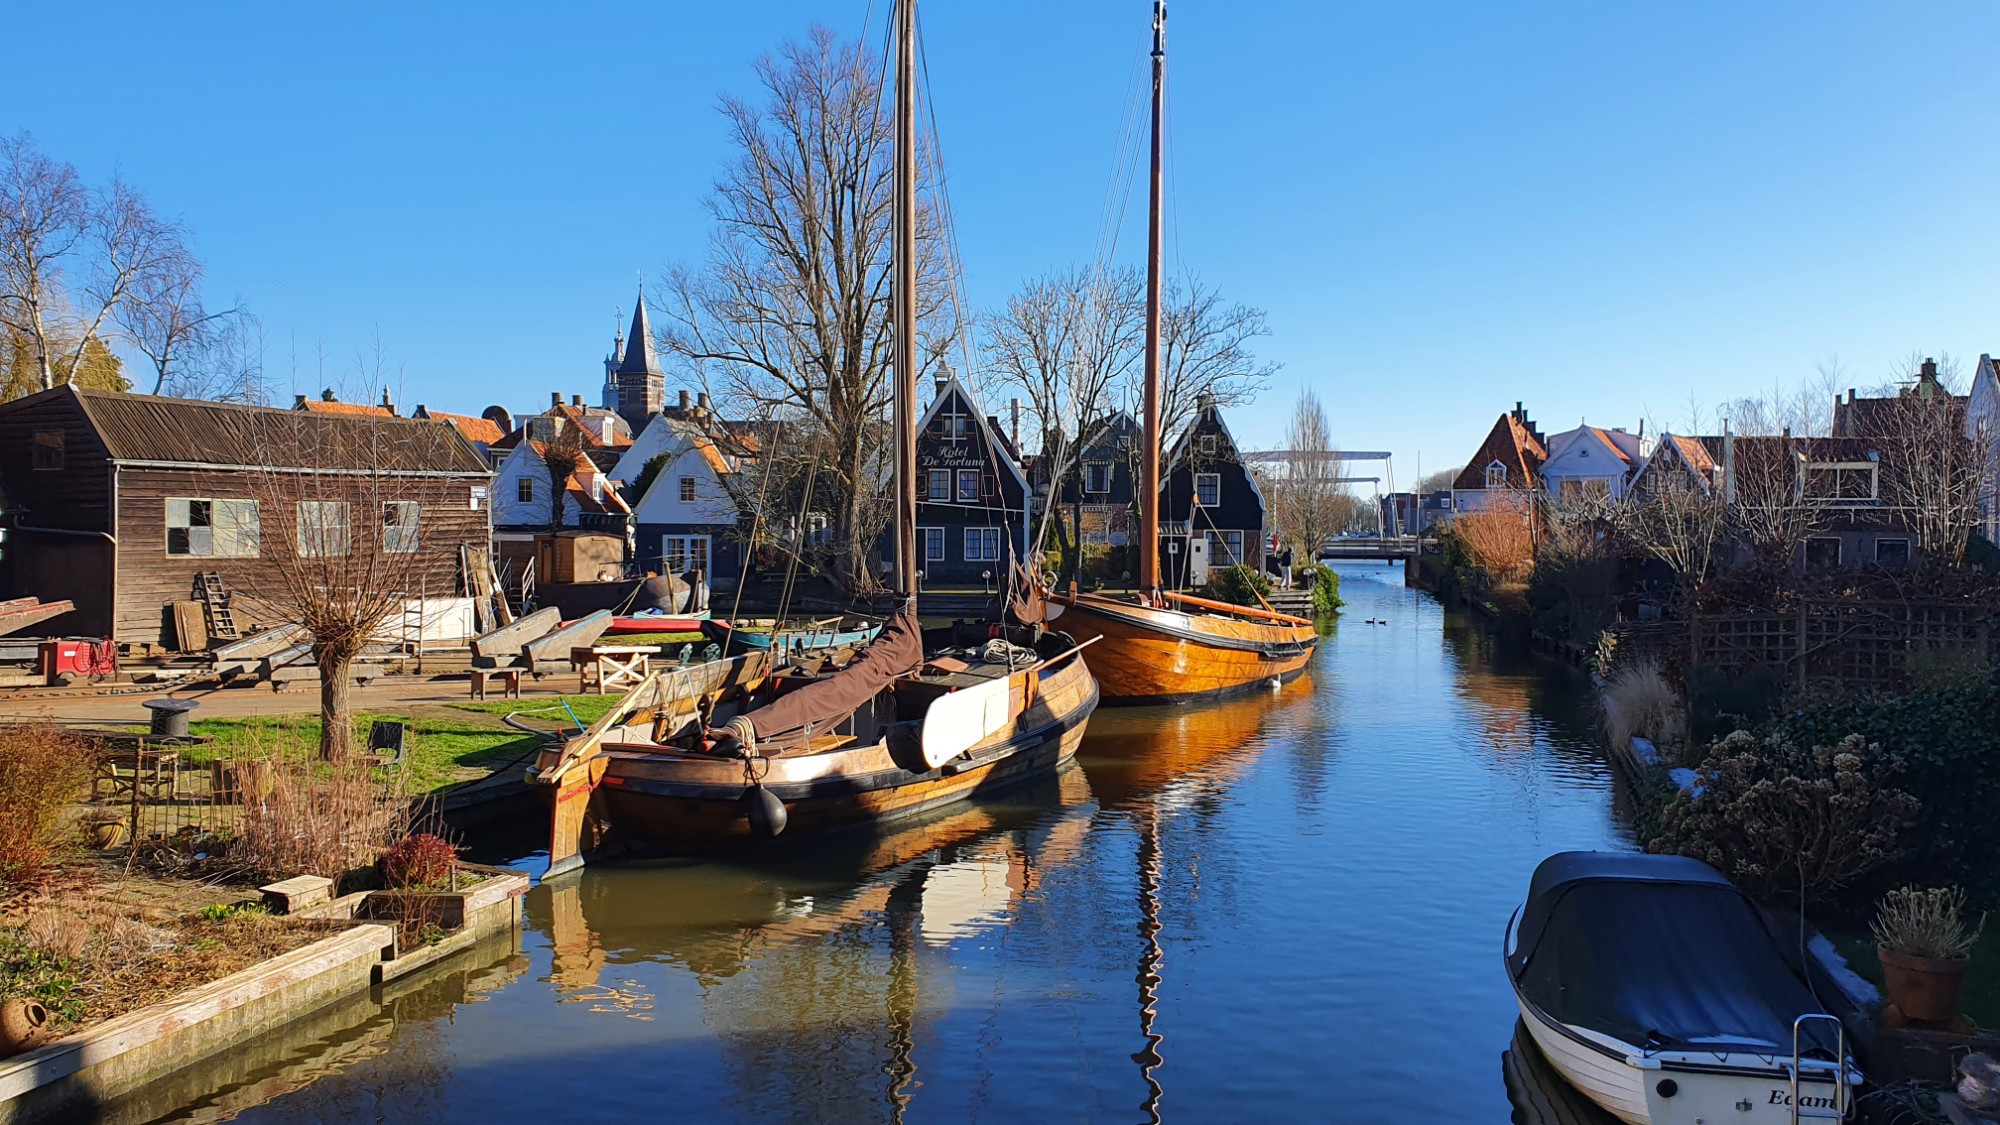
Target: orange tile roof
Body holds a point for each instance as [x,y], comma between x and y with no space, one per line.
[1511,444]
[1694,453]
[322,406]
[474,428]
[1622,455]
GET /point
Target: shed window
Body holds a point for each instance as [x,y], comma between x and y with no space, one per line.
[1208,489]
[687,490]
[982,544]
[322,528]
[1097,476]
[211,528]
[399,526]
[968,486]
[48,449]
[524,490]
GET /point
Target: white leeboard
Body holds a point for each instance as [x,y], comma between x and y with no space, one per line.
[960,720]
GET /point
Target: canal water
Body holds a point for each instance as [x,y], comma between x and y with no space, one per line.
[1283,907]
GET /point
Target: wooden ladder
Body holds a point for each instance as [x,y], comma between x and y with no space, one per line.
[215,601]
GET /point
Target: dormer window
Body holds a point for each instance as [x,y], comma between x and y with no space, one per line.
[1496,475]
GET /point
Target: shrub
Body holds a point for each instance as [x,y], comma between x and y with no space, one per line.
[1238,585]
[1951,742]
[1638,701]
[420,860]
[1926,923]
[1497,539]
[308,817]
[1721,700]
[1942,667]
[43,768]
[1785,821]
[1324,582]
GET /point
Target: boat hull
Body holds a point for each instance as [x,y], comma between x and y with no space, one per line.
[1734,1088]
[1143,654]
[688,803]
[627,626]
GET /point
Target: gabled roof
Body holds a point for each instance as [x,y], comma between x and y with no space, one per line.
[479,431]
[153,429]
[1211,413]
[994,440]
[639,357]
[605,501]
[1676,449]
[1513,445]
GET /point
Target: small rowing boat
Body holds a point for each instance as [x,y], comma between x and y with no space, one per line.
[644,622]
[738,640]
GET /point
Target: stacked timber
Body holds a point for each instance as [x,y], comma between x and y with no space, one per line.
[539,643]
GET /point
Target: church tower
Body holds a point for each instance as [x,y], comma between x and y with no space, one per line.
[635,378]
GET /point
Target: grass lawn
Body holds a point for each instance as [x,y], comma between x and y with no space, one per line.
[447,744]
[1981,1000]
[633,640]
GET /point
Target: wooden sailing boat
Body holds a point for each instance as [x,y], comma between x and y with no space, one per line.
[739,750]
[1162,646]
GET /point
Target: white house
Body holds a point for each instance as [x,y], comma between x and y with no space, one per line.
[1591,459]
[687,518]
[522,502]
[1982,426]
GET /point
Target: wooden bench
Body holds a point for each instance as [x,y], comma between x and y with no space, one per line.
[510,682]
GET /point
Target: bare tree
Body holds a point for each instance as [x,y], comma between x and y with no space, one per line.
[1770,508]
[337,531]
[1681,520]
[1934,473]
[790,313]
[1205,345]
[70,256]
[166,322]
[1064,341]
[1309,502]
[1437,482]
[562,455]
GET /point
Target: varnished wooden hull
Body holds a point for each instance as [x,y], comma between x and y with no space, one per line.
[1146,654]
[686,802]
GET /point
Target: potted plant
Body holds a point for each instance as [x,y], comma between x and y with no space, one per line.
[1924,944]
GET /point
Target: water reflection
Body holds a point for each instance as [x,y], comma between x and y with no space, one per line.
[1281,906]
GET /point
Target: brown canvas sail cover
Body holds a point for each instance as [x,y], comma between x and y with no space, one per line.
[821,705]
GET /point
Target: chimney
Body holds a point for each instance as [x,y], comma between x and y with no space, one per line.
[555,399]
[1929,370]
[327,395]
[685,397]
[298,402]
[943,381]
[388,403]
[1014,428]
[576,400]
[701,403]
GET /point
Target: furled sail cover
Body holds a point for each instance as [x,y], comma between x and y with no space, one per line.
[1660,952]
[821,705]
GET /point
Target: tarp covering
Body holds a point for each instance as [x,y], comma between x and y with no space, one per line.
[1659,952]
[822,704]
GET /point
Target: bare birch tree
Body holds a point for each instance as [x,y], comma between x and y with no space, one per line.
[71,255]
[790,313]
[1064,341]
[1309,503]
[1205,350]
[166,322]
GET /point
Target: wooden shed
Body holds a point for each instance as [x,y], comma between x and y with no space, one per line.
[119,502]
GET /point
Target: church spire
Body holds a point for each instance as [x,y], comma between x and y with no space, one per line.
[636,380]
[639,357]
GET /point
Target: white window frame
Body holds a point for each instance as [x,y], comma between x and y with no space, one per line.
[1215,481]
[961,495]
[1225,548]
[1496,475]
[1873,470]
[1908,554]
[1208,444]
[322,535]
[982,544]
[244,536]
[400,537]
[1091,469]
[933,539]
[938,495]
[688,491]
[692,550]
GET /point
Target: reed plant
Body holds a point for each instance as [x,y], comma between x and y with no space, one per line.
[1639,702]
[304,815]
[1926,922]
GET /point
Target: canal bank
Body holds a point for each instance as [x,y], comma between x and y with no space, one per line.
[1288,904]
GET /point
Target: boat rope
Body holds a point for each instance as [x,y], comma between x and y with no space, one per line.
[999,651]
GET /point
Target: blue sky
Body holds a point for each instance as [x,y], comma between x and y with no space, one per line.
[1597,208]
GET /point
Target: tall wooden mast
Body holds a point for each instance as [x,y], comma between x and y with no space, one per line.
[904,304]
[1149,497]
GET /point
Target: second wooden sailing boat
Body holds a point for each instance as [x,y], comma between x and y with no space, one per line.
[738,750]
[1161,646]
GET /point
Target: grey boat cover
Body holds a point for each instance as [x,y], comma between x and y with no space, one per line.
[1663,953]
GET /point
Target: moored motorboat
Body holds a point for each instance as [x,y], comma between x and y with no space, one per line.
[1662,993]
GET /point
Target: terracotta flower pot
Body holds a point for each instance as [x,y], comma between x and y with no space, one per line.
[1924,989]
[24,1024]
